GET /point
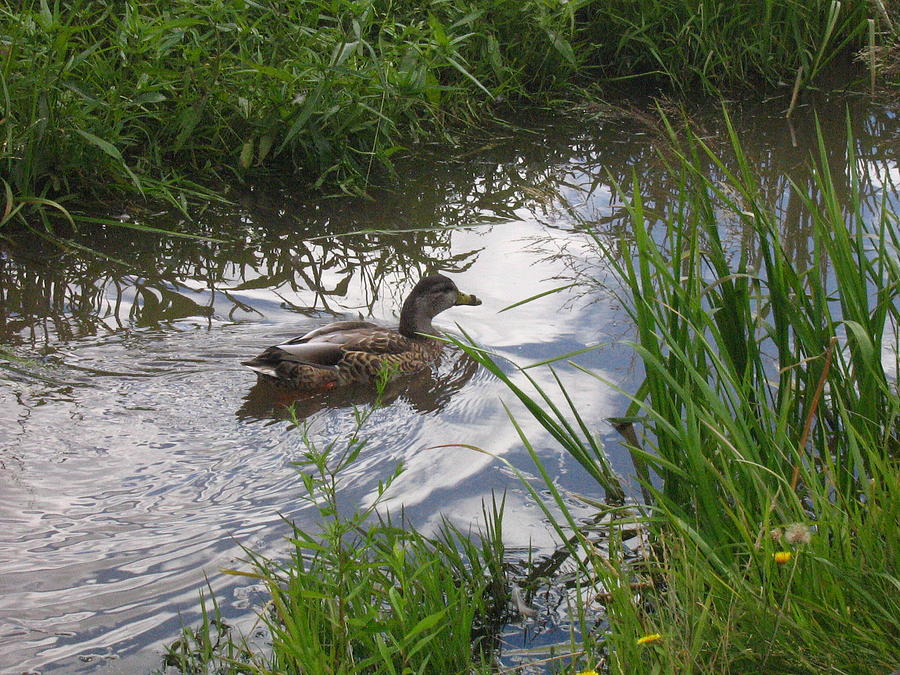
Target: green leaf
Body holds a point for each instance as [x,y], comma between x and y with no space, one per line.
[149,97]
[563,46]
[536,296]
[112,151]
[247,154]
[105,146]
[265,145]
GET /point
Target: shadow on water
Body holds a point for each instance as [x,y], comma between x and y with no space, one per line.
[137,455]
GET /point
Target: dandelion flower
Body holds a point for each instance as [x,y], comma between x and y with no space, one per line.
[776,534]
[798,533]
[653,637]
[782,557]
[588,672]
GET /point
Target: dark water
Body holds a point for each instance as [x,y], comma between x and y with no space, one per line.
[136,457]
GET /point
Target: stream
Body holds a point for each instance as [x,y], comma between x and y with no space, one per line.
[137,457]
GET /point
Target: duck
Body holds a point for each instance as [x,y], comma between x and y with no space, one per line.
[347,352]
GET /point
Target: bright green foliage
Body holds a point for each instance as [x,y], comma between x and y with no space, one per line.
[771,424]
[363,595]
[144,90]
[767,404]
[137,94]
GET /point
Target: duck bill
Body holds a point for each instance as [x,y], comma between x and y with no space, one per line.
[466,299]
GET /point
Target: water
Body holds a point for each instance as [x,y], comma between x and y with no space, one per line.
[136,457]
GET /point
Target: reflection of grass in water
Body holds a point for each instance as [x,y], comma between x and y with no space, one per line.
[771,427]
[85,288]
[271,246]
[24,368]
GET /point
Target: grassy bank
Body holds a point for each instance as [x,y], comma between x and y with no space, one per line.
[149,96]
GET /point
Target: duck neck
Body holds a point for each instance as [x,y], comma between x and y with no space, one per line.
[414,320]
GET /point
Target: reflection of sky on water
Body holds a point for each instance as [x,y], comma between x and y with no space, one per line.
[132,462]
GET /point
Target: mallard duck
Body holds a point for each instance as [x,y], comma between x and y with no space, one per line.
[345,352]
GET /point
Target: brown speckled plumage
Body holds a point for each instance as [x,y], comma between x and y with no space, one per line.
[355,351]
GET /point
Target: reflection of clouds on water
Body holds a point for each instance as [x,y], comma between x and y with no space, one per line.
[140,456]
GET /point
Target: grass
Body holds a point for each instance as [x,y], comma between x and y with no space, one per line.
[151,99]
[363,594]
[771,424]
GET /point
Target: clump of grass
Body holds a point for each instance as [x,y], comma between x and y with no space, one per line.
[768,403]
[148,98]
[363,594]
[769,417]
[210,647]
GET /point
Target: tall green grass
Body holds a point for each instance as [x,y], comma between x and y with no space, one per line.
[151,97]
[771,424]
[144,92]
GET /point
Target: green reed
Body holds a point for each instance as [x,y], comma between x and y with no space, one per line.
[770,421]
[138,96]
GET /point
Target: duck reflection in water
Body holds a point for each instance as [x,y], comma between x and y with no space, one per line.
[347,357]
[427,391]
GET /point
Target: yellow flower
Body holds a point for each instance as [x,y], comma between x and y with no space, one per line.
[653,637]
[588,672]
[782,557]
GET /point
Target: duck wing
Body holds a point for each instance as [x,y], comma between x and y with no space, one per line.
[325,347]
[317,355]
[338,327]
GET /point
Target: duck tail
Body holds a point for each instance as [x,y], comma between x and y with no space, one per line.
[261,367]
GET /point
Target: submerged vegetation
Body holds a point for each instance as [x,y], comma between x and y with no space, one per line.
[153,97]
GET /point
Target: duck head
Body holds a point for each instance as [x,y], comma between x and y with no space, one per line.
[431,296]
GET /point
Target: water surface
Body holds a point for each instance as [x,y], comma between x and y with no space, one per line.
[136,457]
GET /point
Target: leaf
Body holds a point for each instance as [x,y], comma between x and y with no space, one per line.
[536,296]
[149,97]
[432,89]
[45,15]
[426,623]
[496,60]
[265,145]
[104,145]
[437,30]
[563,46]
[112,151]
[247,154]
[863,341]
[343,52]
